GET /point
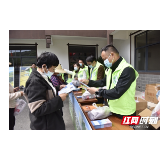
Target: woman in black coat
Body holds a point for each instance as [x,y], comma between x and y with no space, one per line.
[43,100]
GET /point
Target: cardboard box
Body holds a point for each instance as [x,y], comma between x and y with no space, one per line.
[151,91]
[153,86]
[141,104]
[147,113]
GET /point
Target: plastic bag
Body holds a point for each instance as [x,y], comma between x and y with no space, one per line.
[87,95]
[99,113]
[156,111]
[20,104]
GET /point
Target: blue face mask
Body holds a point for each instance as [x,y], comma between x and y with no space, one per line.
[107,63]
[75,68]
[49,74]
[90,66]
[80,64]
[59,74]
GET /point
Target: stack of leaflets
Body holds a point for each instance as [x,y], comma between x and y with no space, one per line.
[102,123]
[67,89]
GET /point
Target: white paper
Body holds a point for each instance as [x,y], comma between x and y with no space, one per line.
[68,88]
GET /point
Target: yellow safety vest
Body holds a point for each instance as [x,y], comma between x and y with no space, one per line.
[126,104]
[95,71]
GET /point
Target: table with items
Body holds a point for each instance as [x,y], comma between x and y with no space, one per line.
[78,110]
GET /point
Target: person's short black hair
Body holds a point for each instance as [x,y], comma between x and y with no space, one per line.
[90,59]
[33,63]
[48,58]
[110,48]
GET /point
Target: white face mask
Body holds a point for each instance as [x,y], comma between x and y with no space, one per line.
[75,68]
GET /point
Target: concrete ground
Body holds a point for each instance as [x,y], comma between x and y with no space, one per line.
[23,121]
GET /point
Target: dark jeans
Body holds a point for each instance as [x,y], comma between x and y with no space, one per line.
[11,119]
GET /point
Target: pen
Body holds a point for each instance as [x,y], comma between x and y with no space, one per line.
[84,84]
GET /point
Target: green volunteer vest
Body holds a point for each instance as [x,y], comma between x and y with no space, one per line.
[69,80]
[30,71]
[63,76]
[86,70]
[95,71]
[126,104]
[80,75]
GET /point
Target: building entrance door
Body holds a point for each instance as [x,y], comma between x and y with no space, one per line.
[80,52]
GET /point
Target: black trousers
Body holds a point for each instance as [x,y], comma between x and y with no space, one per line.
[11,119]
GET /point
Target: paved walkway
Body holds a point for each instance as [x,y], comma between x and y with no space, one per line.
[23,121]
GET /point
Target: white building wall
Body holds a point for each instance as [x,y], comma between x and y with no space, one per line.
[60,48]
[123,46]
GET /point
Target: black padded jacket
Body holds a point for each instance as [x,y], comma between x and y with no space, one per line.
[44,106]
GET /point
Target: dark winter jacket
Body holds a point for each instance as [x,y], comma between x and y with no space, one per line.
[44,105]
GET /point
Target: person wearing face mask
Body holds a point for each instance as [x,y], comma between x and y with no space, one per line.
[86,68]
[56,78]
[43,100]
[120,82]
[77,72]
[97,71]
